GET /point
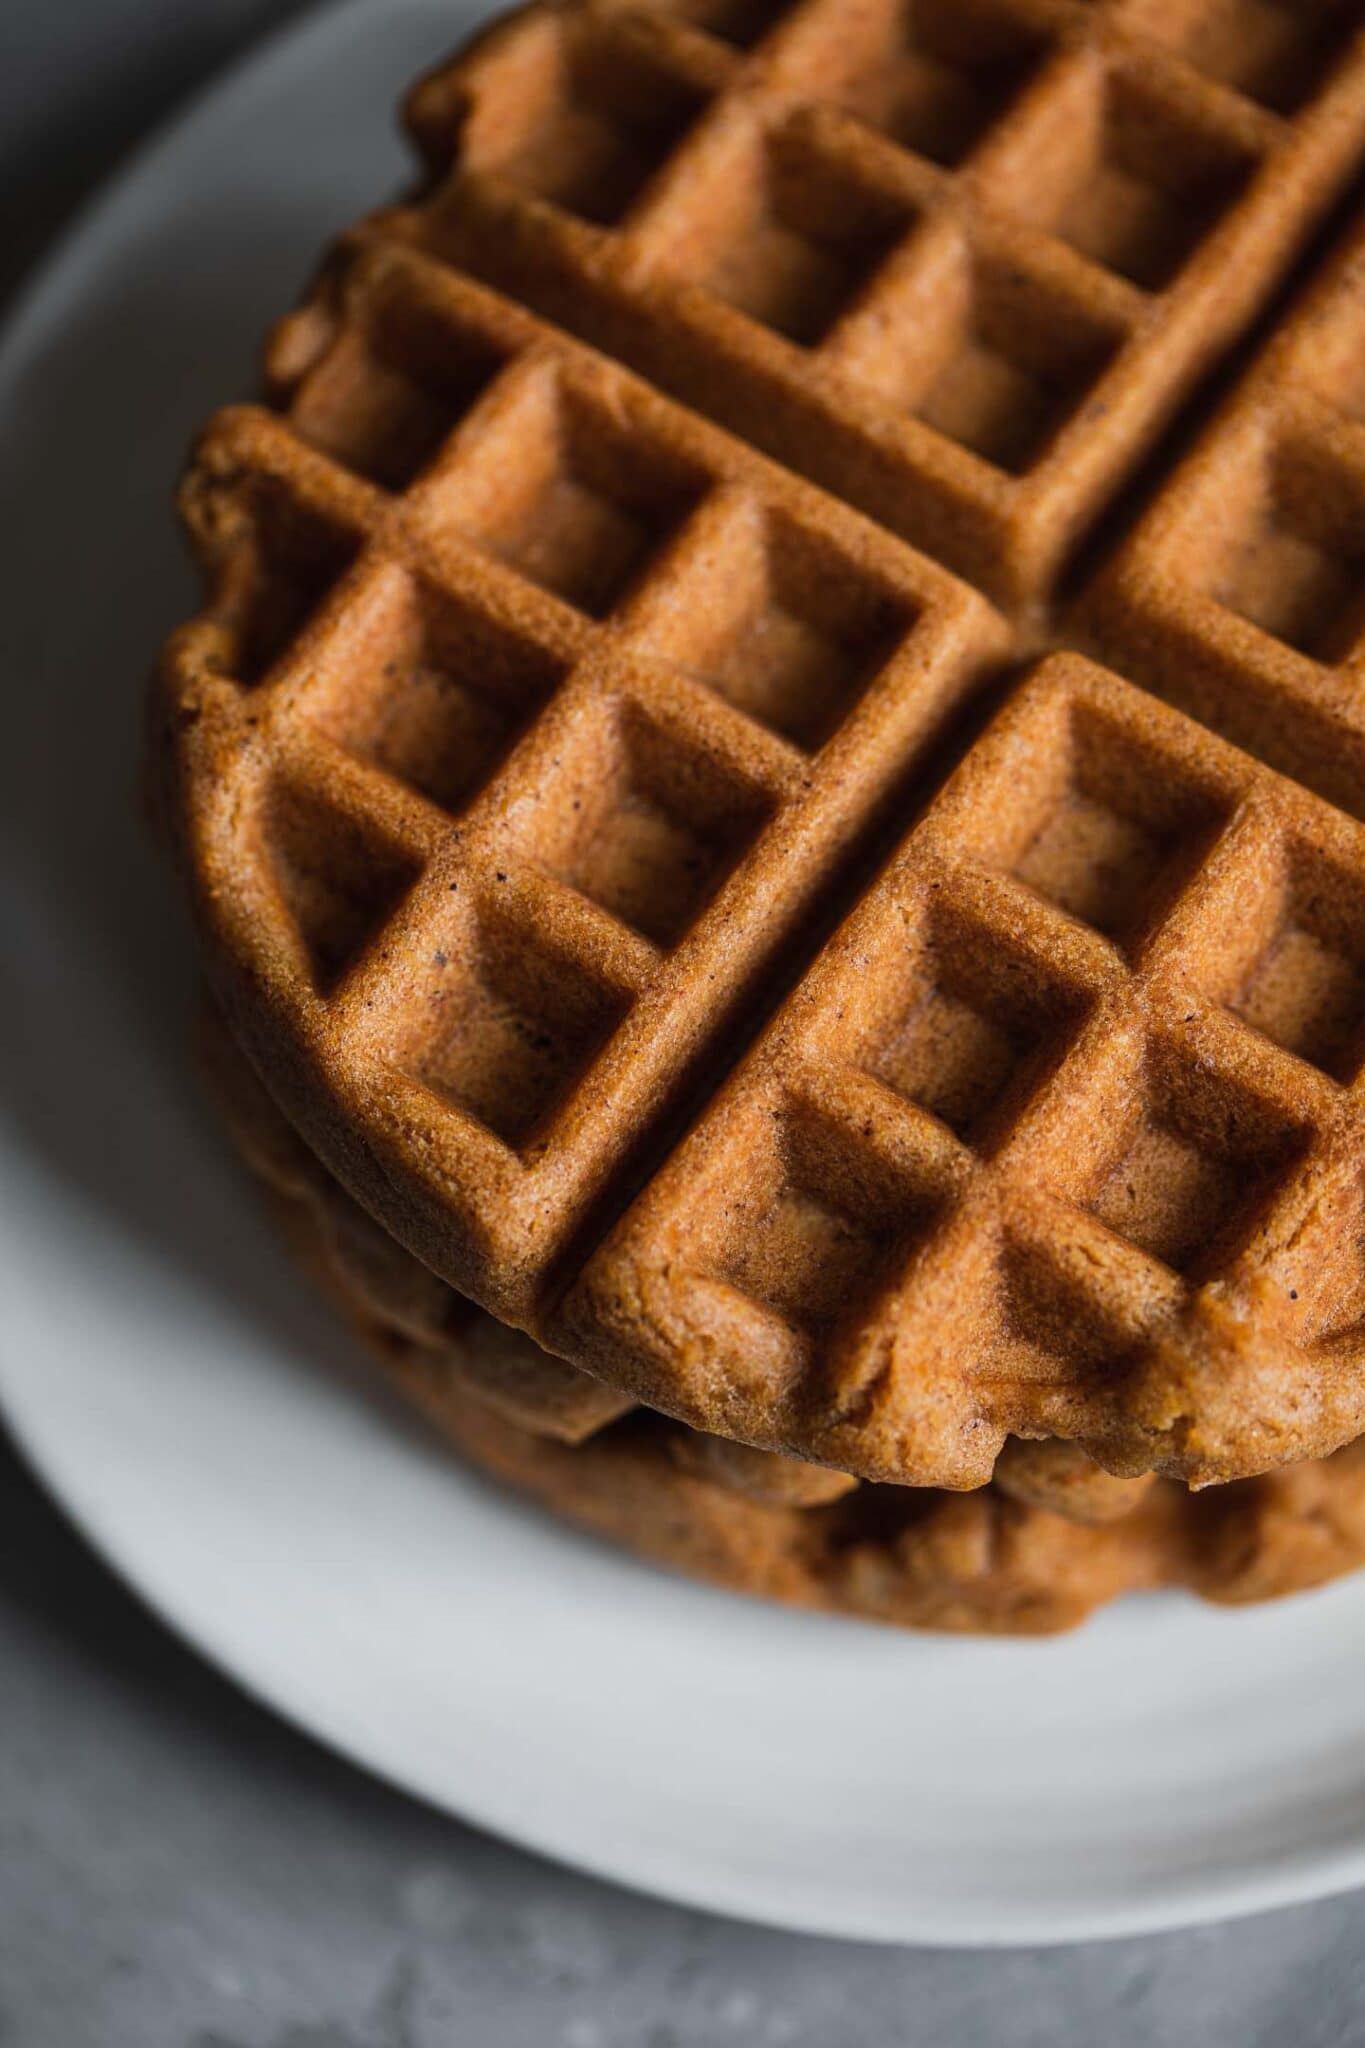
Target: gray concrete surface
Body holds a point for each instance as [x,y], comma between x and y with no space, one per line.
[178,1870]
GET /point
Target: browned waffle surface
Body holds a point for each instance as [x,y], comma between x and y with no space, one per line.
[1241,594]
[956,261]
[1050,1540]
[508,826]
[1047,1142]
[538,723]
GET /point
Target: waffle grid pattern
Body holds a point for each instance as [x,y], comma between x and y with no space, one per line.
[594,708]
[1069,1098]
[535,722]
[956,262]
[1241,595]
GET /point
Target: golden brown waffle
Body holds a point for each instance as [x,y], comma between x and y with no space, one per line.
[536,723]
[1020,1154]
[662,686]
[955,259]
[1036,1551]
[1241,594]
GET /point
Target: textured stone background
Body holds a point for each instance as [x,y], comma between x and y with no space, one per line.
[177,1870]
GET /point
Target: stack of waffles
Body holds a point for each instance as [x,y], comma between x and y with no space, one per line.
[772,774]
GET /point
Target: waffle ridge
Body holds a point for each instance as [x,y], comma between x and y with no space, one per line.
[537,718]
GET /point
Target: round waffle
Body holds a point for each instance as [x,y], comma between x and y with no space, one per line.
[573,649]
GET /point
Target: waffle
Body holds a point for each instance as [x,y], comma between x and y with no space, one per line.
[1036,1551]
[955,259]
[539,725]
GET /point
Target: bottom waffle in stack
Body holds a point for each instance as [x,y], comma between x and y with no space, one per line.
[1050,1539]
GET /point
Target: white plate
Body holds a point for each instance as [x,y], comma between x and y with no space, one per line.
[1168,1764]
